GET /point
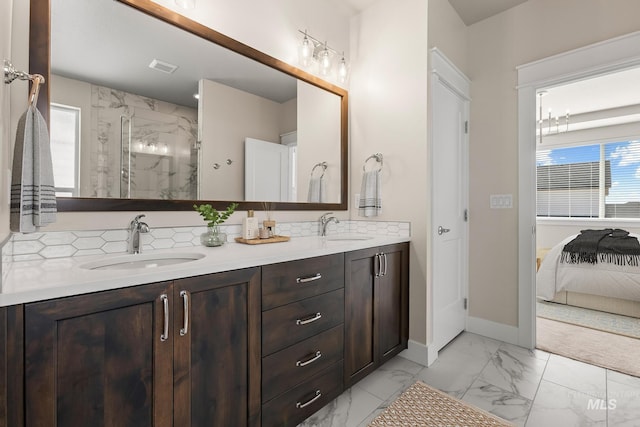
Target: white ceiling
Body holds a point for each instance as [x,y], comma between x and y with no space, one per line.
[472,11]
[110,44]
[595,94]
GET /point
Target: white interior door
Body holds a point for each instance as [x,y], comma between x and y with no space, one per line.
[266,171]
[449,242]
[5,119]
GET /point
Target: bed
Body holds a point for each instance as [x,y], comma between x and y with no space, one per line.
[602,286]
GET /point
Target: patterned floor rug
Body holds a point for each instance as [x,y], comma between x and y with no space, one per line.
[608,322]
[424,406]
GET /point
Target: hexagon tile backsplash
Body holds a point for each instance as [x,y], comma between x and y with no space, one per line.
[60,244]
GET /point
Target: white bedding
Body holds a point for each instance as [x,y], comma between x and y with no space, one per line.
[605,279]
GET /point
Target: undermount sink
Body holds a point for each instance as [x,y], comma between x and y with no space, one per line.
[347,238]
[133,261]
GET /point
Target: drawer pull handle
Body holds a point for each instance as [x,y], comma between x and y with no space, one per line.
[309,402]
[185,306]
[313,358]
[308,320]
[165,306]
[308,279]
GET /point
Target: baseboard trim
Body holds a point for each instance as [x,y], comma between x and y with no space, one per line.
[417,352]
[495,330]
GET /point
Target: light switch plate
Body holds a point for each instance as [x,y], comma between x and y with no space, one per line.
[501,201]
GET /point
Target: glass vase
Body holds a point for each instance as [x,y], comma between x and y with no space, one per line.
[213,237]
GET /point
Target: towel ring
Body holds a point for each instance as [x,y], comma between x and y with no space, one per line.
[379,159]
[323,165]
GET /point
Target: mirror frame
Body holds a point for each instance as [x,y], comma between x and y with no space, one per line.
[40,63]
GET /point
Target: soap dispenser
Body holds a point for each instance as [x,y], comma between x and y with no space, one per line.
[250,228]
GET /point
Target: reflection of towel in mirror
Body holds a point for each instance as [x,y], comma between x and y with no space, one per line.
[317,190]
[33,198]
[370,202]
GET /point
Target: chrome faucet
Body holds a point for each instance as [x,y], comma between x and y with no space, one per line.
[135,228]
[325,220]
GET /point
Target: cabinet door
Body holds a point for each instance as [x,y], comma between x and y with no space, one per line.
[360,341]
[99,360]
[217,357]
[392,301]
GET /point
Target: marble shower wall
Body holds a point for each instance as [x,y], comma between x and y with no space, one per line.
[141,147]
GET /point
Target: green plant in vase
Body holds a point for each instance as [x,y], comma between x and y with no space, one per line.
[214,217]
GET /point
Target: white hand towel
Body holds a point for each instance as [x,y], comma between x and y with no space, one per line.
[33,198]
[370,202]
[317,190]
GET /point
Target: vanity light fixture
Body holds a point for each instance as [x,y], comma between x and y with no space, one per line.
[313,50]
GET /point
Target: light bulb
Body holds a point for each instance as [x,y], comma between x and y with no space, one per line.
[186,4]
[342,70]
[325,61]
[306,51]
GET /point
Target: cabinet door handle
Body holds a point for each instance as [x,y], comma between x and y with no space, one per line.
[310,319]
[385,264]
[165,306]
[378,268]
[308,279]
[300,405]
[313,358]
[185,305]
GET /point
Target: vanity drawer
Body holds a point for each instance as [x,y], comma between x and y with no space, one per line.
[286,368]
[292,323]
[302,401]
[291,281]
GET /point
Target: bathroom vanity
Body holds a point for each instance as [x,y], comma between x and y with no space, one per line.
[243,336]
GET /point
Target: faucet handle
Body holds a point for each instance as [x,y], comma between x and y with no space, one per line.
[324,216]
[137,218]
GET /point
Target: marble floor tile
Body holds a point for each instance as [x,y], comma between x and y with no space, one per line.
[397,374]
[453,372]
[515,371]
[473,344]
[623,399]
[502,403]
[579,376]
[347,410]
[525,352]
[555,405]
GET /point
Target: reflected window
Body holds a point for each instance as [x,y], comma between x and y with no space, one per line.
[65,147]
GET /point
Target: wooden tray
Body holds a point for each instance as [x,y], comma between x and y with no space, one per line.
[274,239]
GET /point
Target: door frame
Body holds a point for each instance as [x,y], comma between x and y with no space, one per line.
[597,59]
[444,71]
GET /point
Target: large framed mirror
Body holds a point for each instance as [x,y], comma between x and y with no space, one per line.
[150,110]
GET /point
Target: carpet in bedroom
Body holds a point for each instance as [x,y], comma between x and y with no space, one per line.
[608,322]
[611,351]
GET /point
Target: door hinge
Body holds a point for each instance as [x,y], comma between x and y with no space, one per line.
[466,126]
[466,215]
[464,303]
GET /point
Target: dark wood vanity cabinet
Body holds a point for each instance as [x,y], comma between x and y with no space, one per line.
[302,338]
[266,346]
[182,353]
[376,308]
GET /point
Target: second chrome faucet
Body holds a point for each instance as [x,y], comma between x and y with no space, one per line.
[136,227]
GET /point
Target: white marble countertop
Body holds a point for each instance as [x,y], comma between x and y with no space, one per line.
[28,281]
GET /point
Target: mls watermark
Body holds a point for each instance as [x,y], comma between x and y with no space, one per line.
[601,404]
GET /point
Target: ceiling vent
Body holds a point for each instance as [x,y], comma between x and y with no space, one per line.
[162,66]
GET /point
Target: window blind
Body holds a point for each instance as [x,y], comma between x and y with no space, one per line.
[589,181]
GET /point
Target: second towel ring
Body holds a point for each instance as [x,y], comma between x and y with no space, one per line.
[377,156]
[323,165]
